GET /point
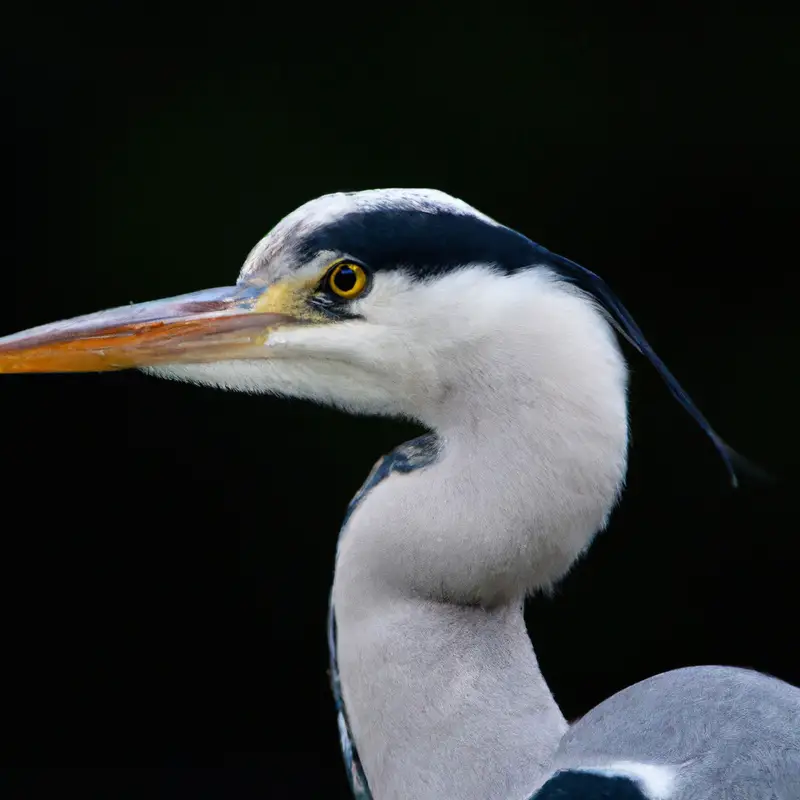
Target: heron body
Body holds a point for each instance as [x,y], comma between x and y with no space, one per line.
[413,304]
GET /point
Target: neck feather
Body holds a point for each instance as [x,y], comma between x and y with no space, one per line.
[441,684]
[445,700]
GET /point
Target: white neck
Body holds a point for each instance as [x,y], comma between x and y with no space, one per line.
[441,685]
[449,701]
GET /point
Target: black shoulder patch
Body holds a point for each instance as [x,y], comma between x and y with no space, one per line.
[422,242]
[577,785]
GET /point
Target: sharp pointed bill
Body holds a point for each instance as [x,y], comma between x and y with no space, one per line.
[201,327]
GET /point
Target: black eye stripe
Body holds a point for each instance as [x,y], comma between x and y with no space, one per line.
[423,243]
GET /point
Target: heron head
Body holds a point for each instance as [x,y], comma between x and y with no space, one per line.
[395,301]
[387,301]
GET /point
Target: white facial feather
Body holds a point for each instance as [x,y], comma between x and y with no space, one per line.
[524,382]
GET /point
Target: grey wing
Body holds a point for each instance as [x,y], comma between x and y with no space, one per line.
[699,733]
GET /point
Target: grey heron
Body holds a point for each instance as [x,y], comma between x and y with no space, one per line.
[414,304]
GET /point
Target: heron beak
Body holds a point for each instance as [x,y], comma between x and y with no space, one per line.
[211,325]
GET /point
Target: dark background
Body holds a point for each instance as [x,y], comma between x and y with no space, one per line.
[166,551]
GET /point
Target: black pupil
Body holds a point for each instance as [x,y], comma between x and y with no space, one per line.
[344,279]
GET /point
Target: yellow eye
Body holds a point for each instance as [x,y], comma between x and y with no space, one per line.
[347,280]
